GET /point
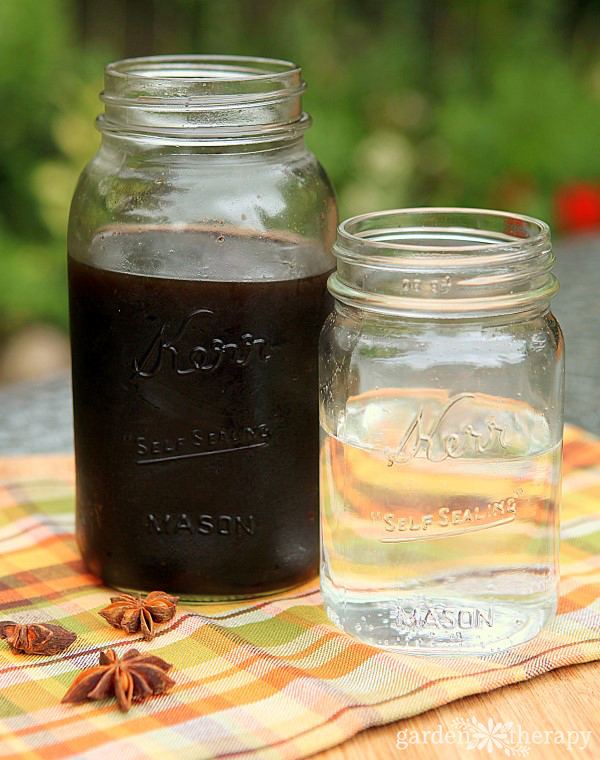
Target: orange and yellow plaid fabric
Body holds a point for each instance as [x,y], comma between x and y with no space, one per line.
[271,679]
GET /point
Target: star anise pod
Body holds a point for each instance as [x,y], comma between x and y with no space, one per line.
[130,679]
[36,638]
[132,613]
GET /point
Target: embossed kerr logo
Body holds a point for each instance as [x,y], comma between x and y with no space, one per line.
[185,355]
[426,435]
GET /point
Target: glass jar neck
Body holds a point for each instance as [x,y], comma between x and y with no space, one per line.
[444,263]
[204,100]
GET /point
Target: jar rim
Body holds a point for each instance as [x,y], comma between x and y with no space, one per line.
[173,68]
[443,261]
[204,99]
[201,81]
[364,230]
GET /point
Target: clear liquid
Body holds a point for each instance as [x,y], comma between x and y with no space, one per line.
[439,522]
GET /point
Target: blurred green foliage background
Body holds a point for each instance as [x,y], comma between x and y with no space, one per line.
[415,102]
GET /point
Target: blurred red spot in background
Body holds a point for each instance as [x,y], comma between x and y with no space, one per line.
[578,206]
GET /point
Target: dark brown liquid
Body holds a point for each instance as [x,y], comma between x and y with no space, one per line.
[196,424]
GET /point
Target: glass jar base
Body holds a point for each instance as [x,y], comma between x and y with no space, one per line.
[435,626]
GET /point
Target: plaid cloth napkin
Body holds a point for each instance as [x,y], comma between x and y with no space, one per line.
[270,679]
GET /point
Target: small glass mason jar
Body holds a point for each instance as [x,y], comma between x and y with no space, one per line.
[199,249]
[441,406]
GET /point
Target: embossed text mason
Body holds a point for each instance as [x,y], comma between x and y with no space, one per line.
[199,248]
[441,419]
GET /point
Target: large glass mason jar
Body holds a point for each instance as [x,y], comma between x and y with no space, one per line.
[441,404]
[199,247]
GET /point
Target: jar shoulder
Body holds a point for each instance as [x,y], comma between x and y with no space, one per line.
[280,191]
[449,342]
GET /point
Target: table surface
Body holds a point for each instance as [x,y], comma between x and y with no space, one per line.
[35,418]
[562,700]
